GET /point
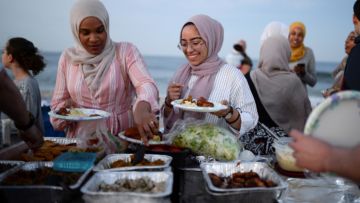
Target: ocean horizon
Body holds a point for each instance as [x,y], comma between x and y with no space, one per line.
[162,69]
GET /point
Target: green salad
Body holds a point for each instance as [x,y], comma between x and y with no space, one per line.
[209,140]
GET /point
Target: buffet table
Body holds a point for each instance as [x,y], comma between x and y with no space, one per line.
[189,185]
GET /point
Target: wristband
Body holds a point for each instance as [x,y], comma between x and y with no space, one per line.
[232,122]
[229,114]
[28,125]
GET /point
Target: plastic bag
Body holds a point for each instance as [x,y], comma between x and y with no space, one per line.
[205,139]
[95,134]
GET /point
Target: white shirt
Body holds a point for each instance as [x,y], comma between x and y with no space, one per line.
[234,58]
[231,85]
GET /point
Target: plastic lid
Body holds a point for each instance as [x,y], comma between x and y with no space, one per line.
[283,143]
[74,161]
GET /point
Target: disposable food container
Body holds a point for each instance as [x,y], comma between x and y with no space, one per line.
[226,169]
[284,155]
[91,188]
[105,163]
[39,193]
[7,166]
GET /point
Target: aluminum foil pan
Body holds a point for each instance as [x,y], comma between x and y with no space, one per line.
[331,189]
[10,166]
[36,165]
[225,169]
[105,164]
[91,187]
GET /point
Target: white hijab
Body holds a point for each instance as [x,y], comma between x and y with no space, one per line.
[274,28]
[94,67]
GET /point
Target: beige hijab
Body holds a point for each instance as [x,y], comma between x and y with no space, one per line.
[94,67]
[280,91]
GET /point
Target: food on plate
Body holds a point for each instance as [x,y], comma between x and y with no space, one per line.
[63,111]
[126,163]
[201,102]
[204,103]
[240,180]
[209,140]
[145,185]
[73,112]
[134,134]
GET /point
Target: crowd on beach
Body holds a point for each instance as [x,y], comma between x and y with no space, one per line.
[99,73]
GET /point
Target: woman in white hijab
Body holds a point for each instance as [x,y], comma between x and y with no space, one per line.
[280,97]
[98,73]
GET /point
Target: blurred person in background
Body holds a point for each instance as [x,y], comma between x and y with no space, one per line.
[351,79]
[281,99]
[339,70]
[302,60]
[22,58]
[318,156]
[239,58]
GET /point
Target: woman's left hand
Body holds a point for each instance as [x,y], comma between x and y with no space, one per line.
[146,121]
[222,113]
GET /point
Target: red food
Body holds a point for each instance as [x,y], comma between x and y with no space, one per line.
[204,103]
[165,148]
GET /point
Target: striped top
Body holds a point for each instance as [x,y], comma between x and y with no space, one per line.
[112,96]
[231,85]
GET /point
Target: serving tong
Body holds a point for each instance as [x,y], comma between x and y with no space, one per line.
[139,154]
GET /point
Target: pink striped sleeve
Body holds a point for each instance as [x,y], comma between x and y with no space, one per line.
[146,89]
[61,95]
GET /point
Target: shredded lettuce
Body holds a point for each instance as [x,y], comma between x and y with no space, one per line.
[209,140]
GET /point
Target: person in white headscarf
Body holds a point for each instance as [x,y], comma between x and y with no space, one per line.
[274,28]
[280,97]
[98,73]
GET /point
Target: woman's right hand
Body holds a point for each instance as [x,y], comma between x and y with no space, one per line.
[174,91]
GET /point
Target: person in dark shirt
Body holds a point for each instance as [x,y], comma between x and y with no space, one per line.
[13,105]
[351,80]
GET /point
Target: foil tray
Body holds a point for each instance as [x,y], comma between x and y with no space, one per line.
[14,165]
[105,163]
[225,169]
[91,187]
[36,165]
[61,140]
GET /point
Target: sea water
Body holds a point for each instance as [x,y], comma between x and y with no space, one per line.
[162,69]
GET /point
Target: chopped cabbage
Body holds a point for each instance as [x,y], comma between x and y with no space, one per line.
[209,140]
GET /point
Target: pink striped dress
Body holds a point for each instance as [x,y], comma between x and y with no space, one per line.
[112,96]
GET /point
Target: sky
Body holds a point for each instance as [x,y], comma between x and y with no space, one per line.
[154,25]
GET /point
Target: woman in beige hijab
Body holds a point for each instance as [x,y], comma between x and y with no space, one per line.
[280,97]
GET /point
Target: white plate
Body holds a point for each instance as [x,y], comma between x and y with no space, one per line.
[217,107]
[102,115]
[337,120]
[132,140]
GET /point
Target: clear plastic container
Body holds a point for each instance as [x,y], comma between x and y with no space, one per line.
[284,155]
[74,161]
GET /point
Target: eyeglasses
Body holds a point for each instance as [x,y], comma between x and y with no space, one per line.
[194,43]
